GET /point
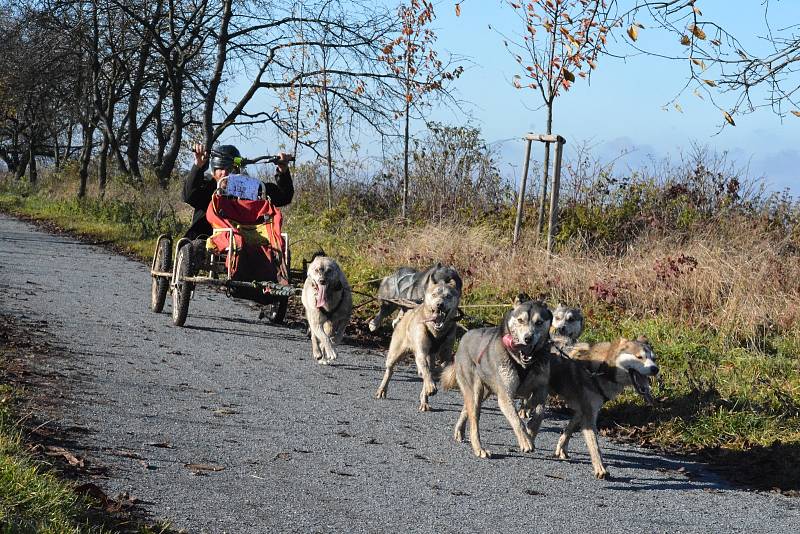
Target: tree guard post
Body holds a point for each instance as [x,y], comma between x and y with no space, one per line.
[521,197]
[554,191]
[544,138]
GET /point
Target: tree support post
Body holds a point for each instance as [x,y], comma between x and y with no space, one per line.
[543,138]
[554,191]
[521,196]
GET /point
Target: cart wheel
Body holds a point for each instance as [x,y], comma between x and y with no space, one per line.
[277,312]
[160,285]
[183,290]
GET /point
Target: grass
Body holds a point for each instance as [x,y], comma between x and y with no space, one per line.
[719,306]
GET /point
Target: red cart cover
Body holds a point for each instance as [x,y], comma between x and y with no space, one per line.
[258,245]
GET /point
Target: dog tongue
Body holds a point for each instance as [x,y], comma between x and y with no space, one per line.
[508,341]
[322,301]
[642,385]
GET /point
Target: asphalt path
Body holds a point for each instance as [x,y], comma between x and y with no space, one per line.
[286,445]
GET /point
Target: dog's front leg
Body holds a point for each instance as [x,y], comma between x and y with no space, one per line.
[314,345]
[324,340]
[590,435]
[423,361]
[537,400]
[563,440]
[396,352]
[386,309]
[473,398]
[506,404]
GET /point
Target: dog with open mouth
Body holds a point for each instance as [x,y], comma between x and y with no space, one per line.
[510,361]
[588,376]
[410,284]
[427,332]
[328,301]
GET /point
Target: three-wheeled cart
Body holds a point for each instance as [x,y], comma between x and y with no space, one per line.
[247,255]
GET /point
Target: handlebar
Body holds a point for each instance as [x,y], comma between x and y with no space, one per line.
[261,159]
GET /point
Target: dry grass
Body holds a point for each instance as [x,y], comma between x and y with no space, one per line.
[745,288]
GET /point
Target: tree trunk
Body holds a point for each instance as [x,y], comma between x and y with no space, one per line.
[56,152]
[23,165]
[102,168]
[86,158]
[545,172]
[405,161]
[33,175]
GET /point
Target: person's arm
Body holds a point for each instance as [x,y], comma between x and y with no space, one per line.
[193,190]
[282,191]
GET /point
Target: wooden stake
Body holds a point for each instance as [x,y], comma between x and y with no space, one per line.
[522,185]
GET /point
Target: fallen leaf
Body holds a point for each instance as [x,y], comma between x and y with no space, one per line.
[203,468]
[68,456]
[161,445]
[282,456]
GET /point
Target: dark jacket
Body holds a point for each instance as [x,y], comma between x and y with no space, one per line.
[198,188]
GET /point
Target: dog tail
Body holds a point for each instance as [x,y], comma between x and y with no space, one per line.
[449,380]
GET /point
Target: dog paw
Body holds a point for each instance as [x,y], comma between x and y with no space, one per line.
[424,407]
[372,325]
[525,413]
[430,389]
[601,474]
[526,445]
[483,453]
[458,436]
[561,454]
[380,394]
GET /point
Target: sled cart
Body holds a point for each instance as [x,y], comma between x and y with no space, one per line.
[247,254]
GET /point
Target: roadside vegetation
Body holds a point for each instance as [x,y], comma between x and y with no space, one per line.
[691,254]
[35,496]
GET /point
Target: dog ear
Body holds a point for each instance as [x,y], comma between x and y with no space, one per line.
[319,252]
[521,297]
[452,283]
[643,340]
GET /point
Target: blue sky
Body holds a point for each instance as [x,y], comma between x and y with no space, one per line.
[621,107]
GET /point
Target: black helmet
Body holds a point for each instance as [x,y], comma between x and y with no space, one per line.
[225,157]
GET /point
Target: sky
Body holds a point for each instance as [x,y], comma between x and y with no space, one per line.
[624,108]
[621,107]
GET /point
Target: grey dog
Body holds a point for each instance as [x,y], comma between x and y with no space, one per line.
[510,360]
[410,284]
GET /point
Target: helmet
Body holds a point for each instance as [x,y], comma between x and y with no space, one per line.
[225,157]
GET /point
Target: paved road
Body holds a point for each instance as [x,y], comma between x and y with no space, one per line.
[305,448]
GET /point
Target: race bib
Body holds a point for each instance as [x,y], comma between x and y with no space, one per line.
[243,186]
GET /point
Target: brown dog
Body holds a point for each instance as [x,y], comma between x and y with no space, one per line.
[588,376]
[428,332]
